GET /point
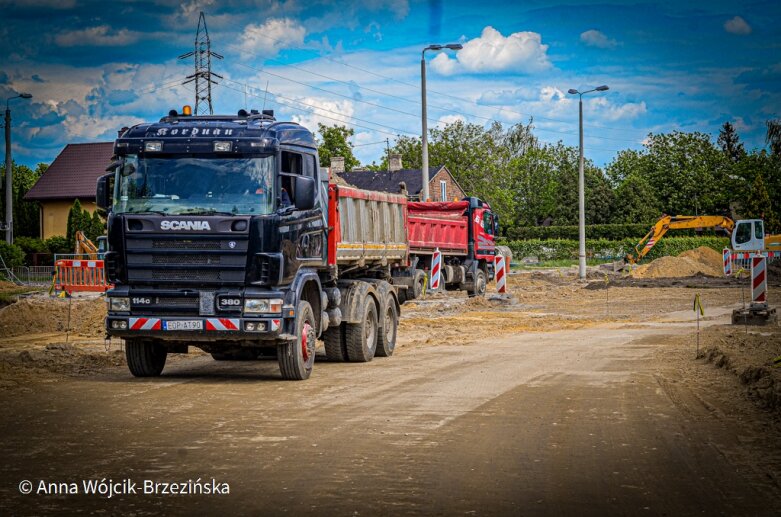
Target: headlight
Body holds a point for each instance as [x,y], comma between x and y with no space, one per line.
[155,147]
[119,304]
[222,147]
[263,305]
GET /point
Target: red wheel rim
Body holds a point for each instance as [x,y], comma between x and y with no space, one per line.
[305,341]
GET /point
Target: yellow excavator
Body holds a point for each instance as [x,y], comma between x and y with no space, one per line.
[746,234]
[86,247]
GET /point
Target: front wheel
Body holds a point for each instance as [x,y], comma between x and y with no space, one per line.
[297,358]
[478,286]
[145,358]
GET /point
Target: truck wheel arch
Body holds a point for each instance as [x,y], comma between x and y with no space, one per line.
[306,286]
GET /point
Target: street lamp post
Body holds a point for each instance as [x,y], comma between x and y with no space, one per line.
[581,186]
[424,137]
[9,174]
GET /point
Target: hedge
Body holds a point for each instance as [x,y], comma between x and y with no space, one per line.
[614,232]
[564,249]
[13,256]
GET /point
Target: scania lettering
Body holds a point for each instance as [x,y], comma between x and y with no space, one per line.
[185,225]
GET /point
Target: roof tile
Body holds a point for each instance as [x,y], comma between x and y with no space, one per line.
[74,173]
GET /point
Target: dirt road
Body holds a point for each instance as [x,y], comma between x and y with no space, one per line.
[598,418]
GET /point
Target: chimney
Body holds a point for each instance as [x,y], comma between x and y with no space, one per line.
[337,164]
[395,163]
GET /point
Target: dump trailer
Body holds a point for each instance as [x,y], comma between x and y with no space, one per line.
[225,234]
[463,232]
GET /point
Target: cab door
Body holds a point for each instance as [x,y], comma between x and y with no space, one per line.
[748,235]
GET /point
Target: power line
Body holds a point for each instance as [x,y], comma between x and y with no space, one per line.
[353,84]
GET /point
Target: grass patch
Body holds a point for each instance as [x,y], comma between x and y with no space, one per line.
[9,296]
[560,263]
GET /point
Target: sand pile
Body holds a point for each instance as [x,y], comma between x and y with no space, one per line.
[702,261]
[42,314]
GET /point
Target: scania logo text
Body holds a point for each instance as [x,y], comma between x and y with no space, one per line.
[185,225]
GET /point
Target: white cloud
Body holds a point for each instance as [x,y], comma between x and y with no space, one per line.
[272,36]
[100,36]
[492,52]
[505,97]
[612,112]
[328,112]
[449,119]
[595,38]
[737,25]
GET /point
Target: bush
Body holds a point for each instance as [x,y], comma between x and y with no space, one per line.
[614,232]
[31,246]
[58,244]
[567,249]
[13,256]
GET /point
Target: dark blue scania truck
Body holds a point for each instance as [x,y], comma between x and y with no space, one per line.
[225,234]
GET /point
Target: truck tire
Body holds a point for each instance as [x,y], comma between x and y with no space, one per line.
[145,358]
[419,278]
[478,286]
[361,338]
[335,344]
[386,335]
[297,358]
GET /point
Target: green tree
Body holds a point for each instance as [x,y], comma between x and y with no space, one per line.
[26,213]
[634,202]
[730,143]
[759,206]
[96,227]
[334,143]
[78,220]
[688,173]
[773,137]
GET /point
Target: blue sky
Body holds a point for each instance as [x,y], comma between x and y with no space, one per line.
[94,67]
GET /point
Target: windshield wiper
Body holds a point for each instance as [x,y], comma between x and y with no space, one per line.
[204,211]
[158,212]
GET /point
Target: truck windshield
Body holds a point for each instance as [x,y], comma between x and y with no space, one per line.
[190,185]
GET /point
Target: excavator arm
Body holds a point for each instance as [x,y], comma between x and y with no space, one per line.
[678,222]
[84,246]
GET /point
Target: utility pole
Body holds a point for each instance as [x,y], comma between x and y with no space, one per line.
[9,171]
[203,76]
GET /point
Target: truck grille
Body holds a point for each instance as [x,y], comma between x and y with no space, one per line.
[200,259]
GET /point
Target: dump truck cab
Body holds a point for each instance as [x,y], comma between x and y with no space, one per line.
[216,231]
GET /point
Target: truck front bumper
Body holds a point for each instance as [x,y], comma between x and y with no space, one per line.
[198,328]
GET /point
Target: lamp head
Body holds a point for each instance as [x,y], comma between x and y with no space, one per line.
[573,91]
[433,47]
[602,88]
[26,95]
[454,46]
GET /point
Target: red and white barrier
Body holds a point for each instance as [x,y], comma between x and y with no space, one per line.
[500,266]
[144,324]
[727,254]
[80,275]
[436,269]
[758,281]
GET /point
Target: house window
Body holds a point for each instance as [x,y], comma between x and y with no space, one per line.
[442,190]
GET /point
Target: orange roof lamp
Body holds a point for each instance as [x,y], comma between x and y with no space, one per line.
[187,111]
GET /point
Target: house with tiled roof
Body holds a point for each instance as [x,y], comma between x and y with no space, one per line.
[72,175]
[442,185]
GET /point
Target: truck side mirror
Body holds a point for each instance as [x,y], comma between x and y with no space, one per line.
[104,195]
[306,193]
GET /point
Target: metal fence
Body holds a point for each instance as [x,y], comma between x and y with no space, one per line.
[33,275]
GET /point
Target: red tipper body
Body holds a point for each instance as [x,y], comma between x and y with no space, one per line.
[366,227]
[442,225]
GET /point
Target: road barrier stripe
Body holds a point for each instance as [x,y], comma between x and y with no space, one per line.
[436,269]
[501,273]
[758,280]
[727,255]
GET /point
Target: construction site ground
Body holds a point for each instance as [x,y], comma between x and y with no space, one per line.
[560,397]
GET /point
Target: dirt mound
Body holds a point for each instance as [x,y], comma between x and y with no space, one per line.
[42,314]
[703,261]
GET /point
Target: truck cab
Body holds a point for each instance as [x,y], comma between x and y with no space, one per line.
[216,232]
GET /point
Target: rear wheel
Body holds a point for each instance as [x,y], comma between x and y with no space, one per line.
[335,343]
[386,337]
[418,281]
[361,338]
[145,358]
[296,359]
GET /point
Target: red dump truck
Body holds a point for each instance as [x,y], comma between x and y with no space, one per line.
[464,233]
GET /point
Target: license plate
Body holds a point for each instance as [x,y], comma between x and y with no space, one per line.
[183,325]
